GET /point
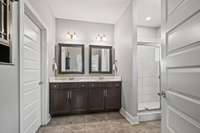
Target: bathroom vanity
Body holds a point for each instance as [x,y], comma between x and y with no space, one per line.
[84,95]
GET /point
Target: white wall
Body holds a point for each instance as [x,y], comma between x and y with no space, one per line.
[148,34]
[86,34]
[125,49]
[9,85]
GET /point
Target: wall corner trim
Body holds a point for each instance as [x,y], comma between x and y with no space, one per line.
[133,120]
[48,120]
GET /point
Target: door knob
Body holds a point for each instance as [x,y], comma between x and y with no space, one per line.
[162,93]
[40,83]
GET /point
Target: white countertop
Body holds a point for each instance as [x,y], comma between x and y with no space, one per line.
[85,79]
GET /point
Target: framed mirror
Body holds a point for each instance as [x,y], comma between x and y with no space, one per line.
[71,60]
[100,59]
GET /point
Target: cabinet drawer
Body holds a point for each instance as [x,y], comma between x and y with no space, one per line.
[117,84]
[69,85]
[95,84]
[112,84]
[55,86]
[105,84]
[83,85]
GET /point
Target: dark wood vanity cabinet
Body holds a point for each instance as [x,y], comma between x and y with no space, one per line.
[79,100]
[113,98]
[105,96]
[73,98]
[59,103]
[96,97]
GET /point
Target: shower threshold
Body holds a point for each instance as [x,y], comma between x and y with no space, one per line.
[149,106]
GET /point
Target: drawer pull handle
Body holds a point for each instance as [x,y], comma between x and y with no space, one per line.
[70,94]
[82,85]
[105,92]
[67,100]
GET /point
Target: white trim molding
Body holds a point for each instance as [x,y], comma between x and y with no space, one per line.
[26,8]
[149,115]
[133,120]
[29,10]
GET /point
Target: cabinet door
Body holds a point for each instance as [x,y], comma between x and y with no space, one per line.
[79,100]
[96,99]
[113,98]
[59,102]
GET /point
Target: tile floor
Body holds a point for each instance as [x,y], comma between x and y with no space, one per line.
[98,123]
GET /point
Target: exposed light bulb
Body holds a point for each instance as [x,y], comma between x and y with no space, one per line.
[104,38]
[98,38]
[68,35]
[148,18]
[74,36]
[101,38]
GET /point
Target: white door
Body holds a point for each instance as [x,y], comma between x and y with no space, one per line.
[181,66]
[31,77]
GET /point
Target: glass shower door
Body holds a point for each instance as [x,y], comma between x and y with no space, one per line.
[148,77]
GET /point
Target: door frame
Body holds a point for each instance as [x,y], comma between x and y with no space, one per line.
[155,45]
[26,9]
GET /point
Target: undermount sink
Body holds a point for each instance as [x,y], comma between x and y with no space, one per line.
[101,77]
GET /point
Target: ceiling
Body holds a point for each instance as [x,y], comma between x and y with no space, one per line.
[149,8]
[101,11]
[106,11]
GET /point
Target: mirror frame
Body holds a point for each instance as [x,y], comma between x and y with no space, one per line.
[83,57]
[90,59]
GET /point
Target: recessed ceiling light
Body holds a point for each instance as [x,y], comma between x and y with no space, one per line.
[148,18]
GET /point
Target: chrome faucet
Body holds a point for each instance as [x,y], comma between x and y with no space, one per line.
[101,77]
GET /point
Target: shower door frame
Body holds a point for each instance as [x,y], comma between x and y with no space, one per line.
[155,45]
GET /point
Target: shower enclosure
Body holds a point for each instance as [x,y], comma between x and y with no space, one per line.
[148,57]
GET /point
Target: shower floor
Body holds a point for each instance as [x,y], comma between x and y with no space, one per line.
[148,106]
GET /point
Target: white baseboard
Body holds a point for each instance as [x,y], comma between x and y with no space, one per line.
[133,120]
[149,116]
[47,120]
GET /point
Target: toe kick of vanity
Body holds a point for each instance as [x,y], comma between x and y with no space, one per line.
[84,97]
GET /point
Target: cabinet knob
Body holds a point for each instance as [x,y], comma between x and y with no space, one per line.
[117,85]
[82,85]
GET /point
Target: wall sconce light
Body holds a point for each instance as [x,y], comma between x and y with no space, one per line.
[72,36]
[101,38]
